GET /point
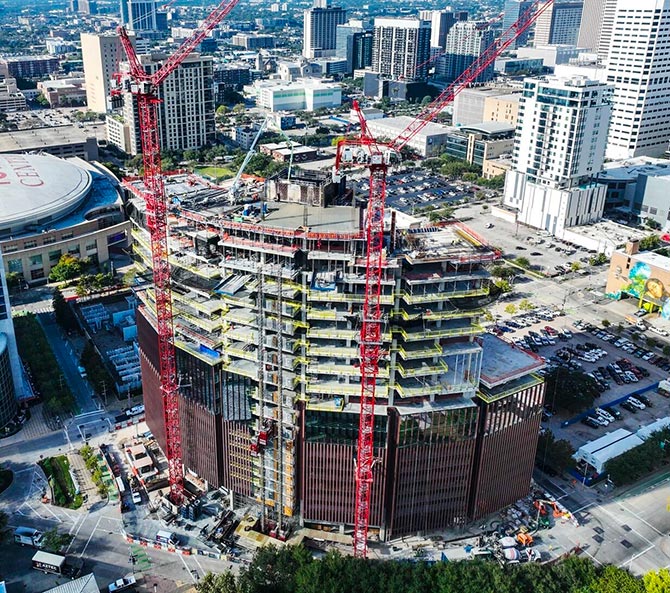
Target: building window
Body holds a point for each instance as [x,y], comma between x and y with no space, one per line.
[15,265]
[35,260]
[54,256]
[37,274]
[29,244]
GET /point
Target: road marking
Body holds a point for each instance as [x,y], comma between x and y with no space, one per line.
[592,557]
[188,569]
[582,508]
[74,537]
[639,518]
[195,558]
[617,521]
[633,558]
[88,541]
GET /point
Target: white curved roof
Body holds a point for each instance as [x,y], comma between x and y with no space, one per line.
[38,188]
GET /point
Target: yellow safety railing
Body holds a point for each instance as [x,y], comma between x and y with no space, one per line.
[425,369]
[438,332]
[413,299]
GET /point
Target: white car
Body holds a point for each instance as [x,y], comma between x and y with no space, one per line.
[631,376]
[137,498]
[603,414]
[658,330]
[601,420]
[636,403]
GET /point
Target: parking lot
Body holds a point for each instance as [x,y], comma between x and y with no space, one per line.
[418,189]
[577,350]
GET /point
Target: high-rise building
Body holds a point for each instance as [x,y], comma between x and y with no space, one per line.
[606,28]
[143,16]
[401,48]
[267,318]
[558,148]
[354,43]
[186,108]
[11,386]
[517,10]
[466,41]
[87,7]
[591,25]
[639,69]
[559,24]
[440,23]
[101,55]
[320,29]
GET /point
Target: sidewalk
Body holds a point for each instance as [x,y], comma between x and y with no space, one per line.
[87,489]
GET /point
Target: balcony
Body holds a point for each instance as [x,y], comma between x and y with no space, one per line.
[419,351]
[332,351]
[343,297]
[434,315]
[334,388]
[341,370]
[422,370]
[436,296]
[439,332]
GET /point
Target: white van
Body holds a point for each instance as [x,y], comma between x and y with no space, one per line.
[167,537]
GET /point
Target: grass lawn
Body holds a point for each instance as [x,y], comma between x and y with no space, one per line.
[6,477]
[57,471]
[217,173]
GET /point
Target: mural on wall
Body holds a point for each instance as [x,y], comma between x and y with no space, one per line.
[642,285]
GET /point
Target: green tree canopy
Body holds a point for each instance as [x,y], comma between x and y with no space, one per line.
[68,267]
[555,454]
[570,390]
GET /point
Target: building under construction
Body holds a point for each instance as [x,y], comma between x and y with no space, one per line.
[267,313]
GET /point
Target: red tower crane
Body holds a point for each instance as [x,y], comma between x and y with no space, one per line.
[145,87]
[377,157]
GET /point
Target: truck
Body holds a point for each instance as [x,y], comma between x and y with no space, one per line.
[27,536]
[122,584]
[46,562]
[636,321]
[167,537]
[57,564]
[664,388]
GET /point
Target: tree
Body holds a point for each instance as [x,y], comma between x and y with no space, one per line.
[666,350]
[522,262]
[526,305]
[218,583]
[68,267]
[554,454]
[4,520]
[657,582]
[504,272]
[13,279]
[239,108]
[503,285]
[222,110]
[570,390]
[575,265]
[54,541]
[488,316]
[616,580]
[510,309]
[606,323]
[649,243]
[64,315]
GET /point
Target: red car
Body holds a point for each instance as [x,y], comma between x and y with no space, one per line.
[550,330]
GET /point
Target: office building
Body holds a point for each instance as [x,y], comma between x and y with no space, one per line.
[354,43]
[466,41]
[252,41]
[441,22]
[60,141]
[63,92]
[517,10]
[551,55]
[559,24]
[606,28]
[558,149]
[401,48]
[265,336]
[144,17]
[591,24]
[101,55]
[320,29]
[475,105]
[639,69]
[11,98]
[479,143]
[186,108]
[301,94]
[29,66]
[87,7]
[510,399]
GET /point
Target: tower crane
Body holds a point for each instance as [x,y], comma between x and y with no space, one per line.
[377,157]
[144,87]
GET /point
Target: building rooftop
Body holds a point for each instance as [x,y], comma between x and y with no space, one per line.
[336,219]
[492,128]
[503,362]
[85,584]
[629,169]
[401,122]
[36,139]
[453,241]
[598,452]
[609,232]
[653,259]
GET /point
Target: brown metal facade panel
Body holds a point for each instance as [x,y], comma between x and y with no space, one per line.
[327,451]
[236,453]
[433,471]
[153,400]
[201,441]
[507,450]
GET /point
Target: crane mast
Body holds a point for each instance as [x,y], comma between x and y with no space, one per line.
[145,87]
[377,157]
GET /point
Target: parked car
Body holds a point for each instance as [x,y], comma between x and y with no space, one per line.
[644,399]
[590,421]
[626,405]
[636,403]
